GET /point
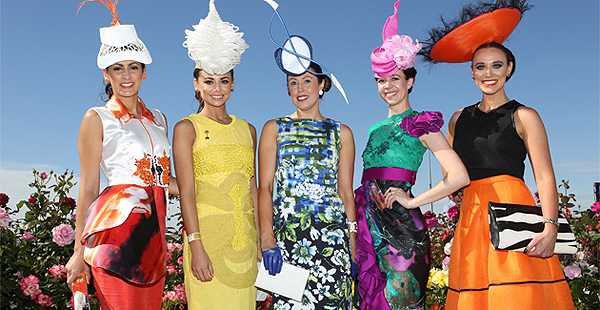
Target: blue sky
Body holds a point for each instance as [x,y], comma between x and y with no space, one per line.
[49,76]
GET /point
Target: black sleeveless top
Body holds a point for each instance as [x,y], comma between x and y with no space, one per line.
[488,142]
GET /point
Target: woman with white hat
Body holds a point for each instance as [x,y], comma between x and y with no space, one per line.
[307,161]
[213,154]
[120,233]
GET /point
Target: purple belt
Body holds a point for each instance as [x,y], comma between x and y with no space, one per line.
[388,173]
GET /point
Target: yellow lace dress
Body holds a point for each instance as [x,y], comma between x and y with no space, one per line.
[223,160]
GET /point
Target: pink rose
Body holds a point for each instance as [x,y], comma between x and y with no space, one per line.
[572,271]
[58,271]
[180,291]
[171,269]
[4,218]
[452,212]
[63,234]
[44,300]
[170,295]
[596,208]
[172,247]
[27,236]
[431,219]
[180,260]
[169,256]
[32,200]
[4,199]
[43,175]
[446,263]
[30,286]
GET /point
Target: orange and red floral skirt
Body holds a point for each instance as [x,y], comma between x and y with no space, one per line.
[483,278]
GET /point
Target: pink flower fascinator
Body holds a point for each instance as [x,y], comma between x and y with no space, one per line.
[397,52]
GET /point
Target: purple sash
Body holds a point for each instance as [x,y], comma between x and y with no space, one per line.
[396,174]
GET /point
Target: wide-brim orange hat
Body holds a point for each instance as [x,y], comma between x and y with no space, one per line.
[480,23]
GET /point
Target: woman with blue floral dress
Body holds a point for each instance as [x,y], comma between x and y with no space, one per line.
[311,158]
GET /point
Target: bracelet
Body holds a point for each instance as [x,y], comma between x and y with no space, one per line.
[352,226]
[551,221]
[194,236]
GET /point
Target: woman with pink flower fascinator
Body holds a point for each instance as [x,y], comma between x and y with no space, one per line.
[493,137]
[393,247]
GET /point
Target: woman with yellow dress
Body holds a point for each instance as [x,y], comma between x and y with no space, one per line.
[213,155]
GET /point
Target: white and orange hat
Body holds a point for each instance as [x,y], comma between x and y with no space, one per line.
[119,42]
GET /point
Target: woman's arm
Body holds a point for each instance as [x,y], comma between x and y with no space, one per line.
[254,192]
[90,153]
[456,175]
[531,129]
[345,178]
[267,159]
[184,136]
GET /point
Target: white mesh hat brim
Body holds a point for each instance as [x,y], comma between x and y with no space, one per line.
[120,43]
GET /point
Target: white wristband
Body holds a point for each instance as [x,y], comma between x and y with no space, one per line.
[352,226]
[194,236]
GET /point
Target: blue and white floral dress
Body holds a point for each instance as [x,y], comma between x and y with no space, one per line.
[309,218]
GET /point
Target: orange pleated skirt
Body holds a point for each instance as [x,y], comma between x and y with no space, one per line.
[483,278]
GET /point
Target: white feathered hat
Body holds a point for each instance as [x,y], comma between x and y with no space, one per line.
[119,42]
[216,46]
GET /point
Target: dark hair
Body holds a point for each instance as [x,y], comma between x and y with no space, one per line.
[108,88]
[408,73]
[510,57]
[320,77]
[197,95]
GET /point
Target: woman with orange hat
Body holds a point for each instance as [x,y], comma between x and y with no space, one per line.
[493,137]
[121,231]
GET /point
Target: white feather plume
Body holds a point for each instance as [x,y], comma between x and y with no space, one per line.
[216,46]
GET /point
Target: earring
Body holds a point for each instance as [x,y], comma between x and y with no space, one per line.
[144,78]
[106,80]
[232,90]
[321,92]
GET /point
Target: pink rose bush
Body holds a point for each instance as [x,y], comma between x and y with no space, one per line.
[63,234]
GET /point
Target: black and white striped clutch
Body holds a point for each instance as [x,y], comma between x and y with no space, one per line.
[513,226]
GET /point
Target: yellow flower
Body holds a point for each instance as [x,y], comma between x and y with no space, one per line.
[440,278]
[432,273]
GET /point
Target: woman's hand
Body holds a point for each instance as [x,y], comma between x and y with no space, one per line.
[393,194]
[542,245]
[201,265]
[272,260]
[75,266]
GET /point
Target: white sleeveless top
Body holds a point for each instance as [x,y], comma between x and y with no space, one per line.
[135,151]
